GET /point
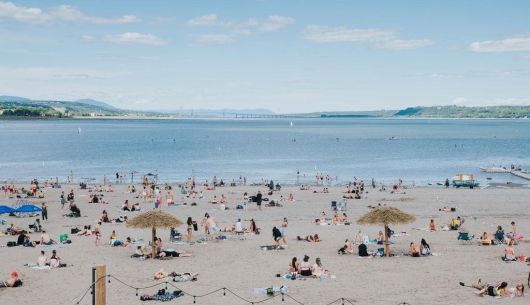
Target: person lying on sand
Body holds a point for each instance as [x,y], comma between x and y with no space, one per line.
[177,277]
[499,290]
[13,281]
[309,238]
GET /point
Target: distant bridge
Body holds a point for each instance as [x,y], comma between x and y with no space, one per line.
[259,116]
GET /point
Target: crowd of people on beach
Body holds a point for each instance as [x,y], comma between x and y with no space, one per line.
[151,197]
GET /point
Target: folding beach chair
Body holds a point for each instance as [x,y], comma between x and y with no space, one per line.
[465,238]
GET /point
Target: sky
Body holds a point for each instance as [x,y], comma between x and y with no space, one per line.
[286,56]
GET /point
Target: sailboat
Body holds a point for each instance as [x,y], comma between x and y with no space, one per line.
[291,124]
[79,130]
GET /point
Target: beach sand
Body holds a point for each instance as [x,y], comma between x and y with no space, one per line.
[242,265]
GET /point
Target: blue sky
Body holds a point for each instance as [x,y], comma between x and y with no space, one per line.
[287,56]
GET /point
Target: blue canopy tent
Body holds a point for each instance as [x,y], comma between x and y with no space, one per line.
[28,208]
[4,209]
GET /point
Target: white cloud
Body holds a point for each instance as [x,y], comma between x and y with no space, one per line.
[275,23]
[206,20]
[324,34]
[270,24]
[34,15]
[135,38]
[516,44]
[385,39]
[69,13]
[401,44]
[87,37]
[212,39]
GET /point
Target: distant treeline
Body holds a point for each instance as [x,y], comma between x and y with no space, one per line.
[30,112]
[499,112]
[490,112]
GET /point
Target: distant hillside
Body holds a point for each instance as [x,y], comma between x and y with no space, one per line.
[13,106]
[466,112]
[489,112]
[7,98]
[96,103]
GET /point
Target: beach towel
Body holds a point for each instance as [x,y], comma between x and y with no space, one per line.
[37,267]
[162,296]
[280,289]
[185,277]
[271,247]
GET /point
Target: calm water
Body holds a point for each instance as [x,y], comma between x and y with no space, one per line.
[425,150]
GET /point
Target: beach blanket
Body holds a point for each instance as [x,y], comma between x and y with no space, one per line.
[162,296]
[281,289]
[35,266]
[271,247]
[185,277]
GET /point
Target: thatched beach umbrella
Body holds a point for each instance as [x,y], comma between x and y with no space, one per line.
[385,216]
[153,220]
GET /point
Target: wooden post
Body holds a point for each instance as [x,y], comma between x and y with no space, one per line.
[153,249]
[387,242]
[101,285]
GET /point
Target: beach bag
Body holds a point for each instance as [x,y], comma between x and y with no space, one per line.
[270,291]
[74,231]
[11,243]
[63,238]
[195,227]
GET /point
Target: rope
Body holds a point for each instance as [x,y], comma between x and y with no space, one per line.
[341,301]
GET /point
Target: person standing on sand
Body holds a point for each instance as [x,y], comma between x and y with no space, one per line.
[190,229]
[44,212]
[283,230]
[63,200]
[277,235]
[259,198]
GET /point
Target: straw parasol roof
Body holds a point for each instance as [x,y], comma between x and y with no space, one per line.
[153,220]
[384,216]
[156,219]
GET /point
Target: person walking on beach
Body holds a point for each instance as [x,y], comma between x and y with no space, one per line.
[63,200]
[283,230]
[44,212]
[277,235]
[259,198]
[190,229]
[70,196]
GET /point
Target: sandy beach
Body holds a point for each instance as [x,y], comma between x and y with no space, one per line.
[242,266]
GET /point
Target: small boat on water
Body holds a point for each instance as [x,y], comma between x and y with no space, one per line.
[465,180]
[521,174]
[495,169]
